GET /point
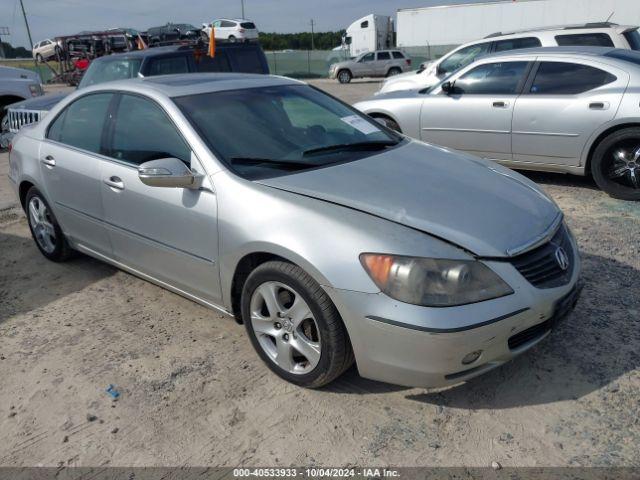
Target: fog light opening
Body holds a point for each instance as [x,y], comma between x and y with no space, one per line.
[469,358]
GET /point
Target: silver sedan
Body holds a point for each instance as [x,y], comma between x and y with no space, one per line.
[329,236]
[572,110]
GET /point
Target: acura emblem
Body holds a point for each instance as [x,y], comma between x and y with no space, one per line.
[562,258]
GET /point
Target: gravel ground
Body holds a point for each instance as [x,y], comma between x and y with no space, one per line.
[194,393]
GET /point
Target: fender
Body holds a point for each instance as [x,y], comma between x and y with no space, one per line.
[614,124]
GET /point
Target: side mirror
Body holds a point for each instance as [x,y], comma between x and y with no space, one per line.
[166,172]
[448,87]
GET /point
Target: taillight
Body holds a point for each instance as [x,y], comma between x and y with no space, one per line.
[241,30]
[409,61]
[10,148]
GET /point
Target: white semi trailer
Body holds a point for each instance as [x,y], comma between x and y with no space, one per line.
[458,24]
[367,34]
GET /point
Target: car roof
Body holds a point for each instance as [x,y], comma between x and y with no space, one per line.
[157,51]
[179,85]
[567,29]
[574,50]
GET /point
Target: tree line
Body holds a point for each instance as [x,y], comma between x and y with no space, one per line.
[300,41]
[9,51]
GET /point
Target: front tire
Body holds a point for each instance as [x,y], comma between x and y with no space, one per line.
[39,58]
[388,122]
[45,230]
[293,325]
[615,164]
[232,39]
[344,76]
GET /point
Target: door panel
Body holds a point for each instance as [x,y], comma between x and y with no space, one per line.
[70,164]
[475,116]
[470,123]
[73,188]
[553,119]
[167,233]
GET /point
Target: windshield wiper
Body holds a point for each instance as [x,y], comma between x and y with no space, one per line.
[271,161]
[374,145]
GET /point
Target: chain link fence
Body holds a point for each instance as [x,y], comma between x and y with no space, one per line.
[316,63]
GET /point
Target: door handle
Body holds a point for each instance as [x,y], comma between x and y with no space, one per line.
[49,161]
[500,104]
[114,182]
[599,105]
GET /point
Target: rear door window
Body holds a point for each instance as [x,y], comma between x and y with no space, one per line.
[585,39]
[169,66]
[501,78]
[80,125]
[384,56]
[563,78]
[516,43]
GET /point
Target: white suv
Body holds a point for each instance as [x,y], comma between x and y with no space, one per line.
[45,49]
[236,30]
[590,34]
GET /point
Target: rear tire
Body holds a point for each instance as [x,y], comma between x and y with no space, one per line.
[294,326]
[344,76]
[45,230]
[615,164]
[232,39]
[39,58]
[393,72]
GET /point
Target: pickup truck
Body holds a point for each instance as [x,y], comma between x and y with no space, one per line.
[16,84]
[233,57]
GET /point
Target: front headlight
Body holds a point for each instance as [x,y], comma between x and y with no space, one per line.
[433,282]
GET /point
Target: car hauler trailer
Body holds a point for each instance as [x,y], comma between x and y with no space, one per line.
[452,25]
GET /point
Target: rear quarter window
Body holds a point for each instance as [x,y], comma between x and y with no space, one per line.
[585,39]
[219,63]
[517,43]
[168,66]
[246,60]
[248,25]
[398,55]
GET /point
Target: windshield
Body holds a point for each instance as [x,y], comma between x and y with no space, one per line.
[268,131]
[110,70]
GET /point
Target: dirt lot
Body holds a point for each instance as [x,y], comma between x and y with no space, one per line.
[194,393]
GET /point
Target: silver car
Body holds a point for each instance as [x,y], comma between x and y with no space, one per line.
[572,110]
[383,63]
[331,237]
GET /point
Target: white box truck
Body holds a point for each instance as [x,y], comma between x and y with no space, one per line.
[457,24]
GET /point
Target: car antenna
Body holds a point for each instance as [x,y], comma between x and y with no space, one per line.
[609,17]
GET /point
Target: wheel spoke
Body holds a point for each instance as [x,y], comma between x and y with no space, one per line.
[298,312]
[268,291]
[33,209]
[284,355]
[310,350]
[634,178]
[263,325]
[618,172]
[636,154]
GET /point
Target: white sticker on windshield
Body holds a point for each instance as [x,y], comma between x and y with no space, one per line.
[360,124]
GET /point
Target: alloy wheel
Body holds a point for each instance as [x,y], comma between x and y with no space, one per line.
[42,224]
[624,168]
[285,327]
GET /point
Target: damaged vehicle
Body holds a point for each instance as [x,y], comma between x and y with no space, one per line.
[332,238]
[16,85]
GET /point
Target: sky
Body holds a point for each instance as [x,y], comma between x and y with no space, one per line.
[50,18]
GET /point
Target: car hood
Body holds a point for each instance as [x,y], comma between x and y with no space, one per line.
[43,103]
[475,204]
[18,73]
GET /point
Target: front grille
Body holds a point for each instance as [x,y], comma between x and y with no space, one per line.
[541,267]
[530,334]
[18,118]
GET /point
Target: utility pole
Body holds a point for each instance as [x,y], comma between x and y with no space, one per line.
[26,22]
[242,3]
[312,39]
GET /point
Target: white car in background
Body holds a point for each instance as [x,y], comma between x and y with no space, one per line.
[45,49]
[236,30]
[591,34]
